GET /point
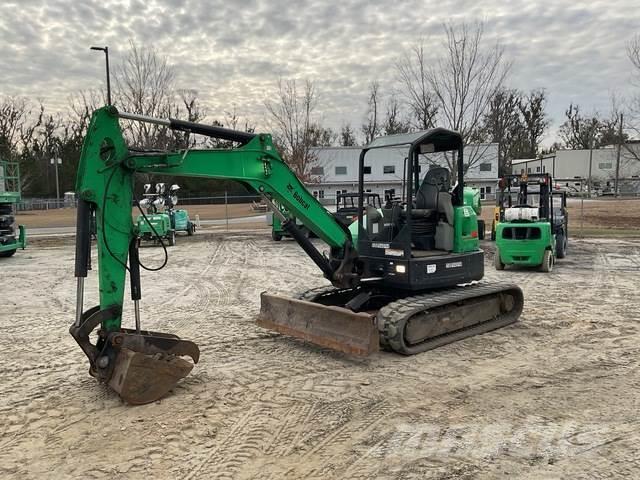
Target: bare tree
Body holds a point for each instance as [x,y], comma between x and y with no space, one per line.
[191,108]
[633,51]
[17,125]
[234,120]
[465,80]
[580,132]
[145,85]
[371,129]
[191,103]
[82,104]
[292,118]
[347,136]
[534,118]
[320,136]
[393,121]
[19,128]
[632,116]
[502,125]
[46,144]
[416,88]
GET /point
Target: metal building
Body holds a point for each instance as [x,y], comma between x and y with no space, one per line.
[335,169]
[572,169]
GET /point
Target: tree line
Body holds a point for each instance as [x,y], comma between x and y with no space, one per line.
[466,88]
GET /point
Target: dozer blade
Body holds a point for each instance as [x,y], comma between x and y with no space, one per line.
[327,326]
[141,378]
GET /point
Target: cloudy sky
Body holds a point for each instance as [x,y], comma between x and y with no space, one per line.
[232,52]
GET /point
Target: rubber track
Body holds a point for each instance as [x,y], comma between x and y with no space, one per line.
[392,317]
[393,314]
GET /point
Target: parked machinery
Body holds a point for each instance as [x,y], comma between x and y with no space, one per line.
[533,226]
[278,232]
[403,276]
[346,213]
[162,220]
[9,197]
[347,205]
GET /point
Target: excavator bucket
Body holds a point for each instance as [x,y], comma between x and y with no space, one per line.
[149,364]
[141,366]
[141,378]
[327,326]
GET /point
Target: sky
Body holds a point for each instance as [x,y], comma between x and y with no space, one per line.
[233,52]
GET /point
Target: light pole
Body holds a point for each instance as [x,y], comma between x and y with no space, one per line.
[106,55]
[57,161]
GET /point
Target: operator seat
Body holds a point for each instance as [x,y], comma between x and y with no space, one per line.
[432,200]
[436,180]
[440,179]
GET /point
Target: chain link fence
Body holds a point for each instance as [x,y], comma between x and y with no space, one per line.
[69,201]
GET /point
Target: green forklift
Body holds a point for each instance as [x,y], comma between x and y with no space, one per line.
[533,226]
[9,196]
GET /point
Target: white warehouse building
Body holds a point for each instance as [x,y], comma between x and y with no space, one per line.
[573,168]
[336,170]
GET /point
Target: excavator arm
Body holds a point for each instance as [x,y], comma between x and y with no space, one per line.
[105,197]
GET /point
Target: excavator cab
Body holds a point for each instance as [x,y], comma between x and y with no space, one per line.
[412,256]
[410,244]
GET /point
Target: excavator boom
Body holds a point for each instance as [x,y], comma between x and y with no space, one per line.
[142,366]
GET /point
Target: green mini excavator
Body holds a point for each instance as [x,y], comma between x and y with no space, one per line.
[404,276]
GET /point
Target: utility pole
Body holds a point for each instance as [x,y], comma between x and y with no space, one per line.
[618,157]
[590,163]
[57,161]
[106,55]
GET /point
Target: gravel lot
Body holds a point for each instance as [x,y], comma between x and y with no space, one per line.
[556,395]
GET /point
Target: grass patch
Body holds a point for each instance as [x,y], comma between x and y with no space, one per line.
[604,232]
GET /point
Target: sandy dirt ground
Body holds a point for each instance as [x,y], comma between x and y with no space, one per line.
[593,214]
[553,396]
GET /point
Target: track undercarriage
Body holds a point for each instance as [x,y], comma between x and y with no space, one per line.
[359,321]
